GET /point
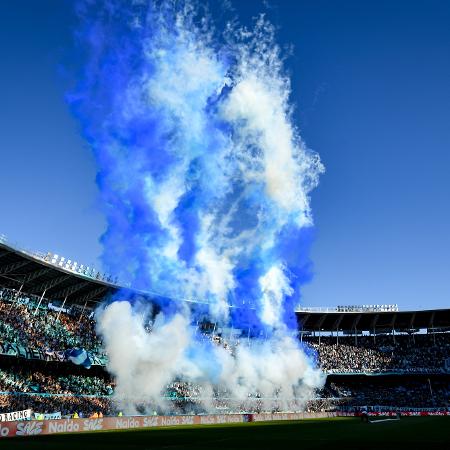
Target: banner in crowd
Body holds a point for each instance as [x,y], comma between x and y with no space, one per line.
[48,416]
[16,415]
[9,349]
[79,357]
[19,351]
[40,427]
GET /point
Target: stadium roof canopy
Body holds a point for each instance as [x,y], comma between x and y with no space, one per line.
[32,274]
[373,321]
[36,274]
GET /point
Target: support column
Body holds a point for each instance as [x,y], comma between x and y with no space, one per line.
[62,307]
[16,297]
[40,301]
[18,293]
[82,311]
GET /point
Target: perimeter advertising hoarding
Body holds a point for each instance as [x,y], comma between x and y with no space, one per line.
[41,427]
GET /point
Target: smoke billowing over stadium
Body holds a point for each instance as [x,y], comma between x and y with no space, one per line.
[205,182]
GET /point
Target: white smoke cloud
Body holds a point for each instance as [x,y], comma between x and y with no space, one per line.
[274,287]
[258,106]
[276,369]
[144,363]
[218,278]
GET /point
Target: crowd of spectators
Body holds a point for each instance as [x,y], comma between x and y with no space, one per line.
[403,392]
[423,353]
[23,322]
[18,379]
[67,405]
[50,387]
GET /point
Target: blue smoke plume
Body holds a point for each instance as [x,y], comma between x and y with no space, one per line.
[204,177]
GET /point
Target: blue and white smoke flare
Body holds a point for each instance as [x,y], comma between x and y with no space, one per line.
[205,178]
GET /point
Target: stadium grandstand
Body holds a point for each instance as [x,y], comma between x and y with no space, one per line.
[51,360]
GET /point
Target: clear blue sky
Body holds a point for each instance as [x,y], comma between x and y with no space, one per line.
[371,81]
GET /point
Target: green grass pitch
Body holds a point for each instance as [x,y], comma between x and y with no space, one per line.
[425,433]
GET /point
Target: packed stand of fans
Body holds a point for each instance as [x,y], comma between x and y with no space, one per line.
[49,387]
[23,322]
[399,391]
[66,405]
[19,379]
[425,353]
